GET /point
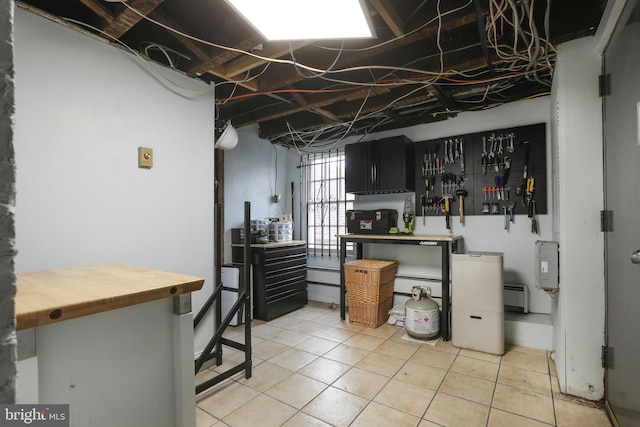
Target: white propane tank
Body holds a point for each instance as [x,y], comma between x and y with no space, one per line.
[422,314]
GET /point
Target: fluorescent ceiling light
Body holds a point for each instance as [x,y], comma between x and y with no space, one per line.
[306,19]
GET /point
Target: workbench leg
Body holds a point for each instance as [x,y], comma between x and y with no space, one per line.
[446,289]
[343,254]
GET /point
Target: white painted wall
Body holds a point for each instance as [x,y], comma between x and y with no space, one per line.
[579,307]
[481,233]
[255,170]
[82,109]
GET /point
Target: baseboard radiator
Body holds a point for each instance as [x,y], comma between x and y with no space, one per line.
[516,298]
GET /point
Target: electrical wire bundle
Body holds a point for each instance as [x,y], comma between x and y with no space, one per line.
[511,34]
[528,56]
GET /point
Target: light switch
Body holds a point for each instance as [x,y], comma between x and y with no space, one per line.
[145,157]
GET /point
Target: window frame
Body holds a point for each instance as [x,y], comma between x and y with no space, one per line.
[329,197]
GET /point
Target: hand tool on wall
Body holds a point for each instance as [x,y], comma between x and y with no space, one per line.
[451,161]
[506,218]
[529,194]
[446,151]
[534,221]
[492,150]
[507,170]
[408,215]
[423,204]
[485,204]
[447,211]
[425,164]
[483,156]
[448,185]
[511,137]
[461,193]
[462,156]
[499,187]
[525,175]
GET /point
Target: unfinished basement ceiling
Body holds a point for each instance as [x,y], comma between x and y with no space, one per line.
[429,61]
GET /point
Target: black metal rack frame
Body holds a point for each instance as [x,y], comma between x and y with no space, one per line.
[214,347]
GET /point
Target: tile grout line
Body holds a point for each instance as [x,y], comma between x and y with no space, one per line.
[493,395]
[392,338]
[553,399]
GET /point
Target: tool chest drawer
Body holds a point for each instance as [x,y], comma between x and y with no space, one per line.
[276,288]
[279,278]
[276,265]
[285,252]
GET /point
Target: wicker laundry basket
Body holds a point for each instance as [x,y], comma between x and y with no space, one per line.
[369,284]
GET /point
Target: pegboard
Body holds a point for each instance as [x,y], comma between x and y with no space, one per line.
[476,163]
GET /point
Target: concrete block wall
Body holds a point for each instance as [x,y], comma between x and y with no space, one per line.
[7,199]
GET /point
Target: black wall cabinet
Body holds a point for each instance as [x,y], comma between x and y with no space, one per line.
[380,166]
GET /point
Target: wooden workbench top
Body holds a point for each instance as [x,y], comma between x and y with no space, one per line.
[437,238]
[49,296]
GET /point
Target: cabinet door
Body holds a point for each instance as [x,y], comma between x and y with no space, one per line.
[395,165]
[358,170]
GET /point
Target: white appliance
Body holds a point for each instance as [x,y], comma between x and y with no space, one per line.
[477,301]
[232,276]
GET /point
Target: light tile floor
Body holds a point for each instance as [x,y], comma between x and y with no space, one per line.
[310,368]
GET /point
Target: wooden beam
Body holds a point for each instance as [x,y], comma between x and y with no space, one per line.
[395,117]
[315,101]
[222,56]
[128,18]
[291,77]
[99,9]
[390,16]
[328,115]
[444,97]
[277,127]
[192,46]
[271,127]
[459,61]
[273,50]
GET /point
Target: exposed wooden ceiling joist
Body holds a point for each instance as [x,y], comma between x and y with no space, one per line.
[99,9]
[191,45]
[390,15]
[274,50]
[291,77]
[416,40]
[128,18]
[223,56]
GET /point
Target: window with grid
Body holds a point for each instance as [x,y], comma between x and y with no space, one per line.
[327,202]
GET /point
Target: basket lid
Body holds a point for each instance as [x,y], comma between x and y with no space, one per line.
[374,264]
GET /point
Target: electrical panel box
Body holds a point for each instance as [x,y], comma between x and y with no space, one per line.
[547,274]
